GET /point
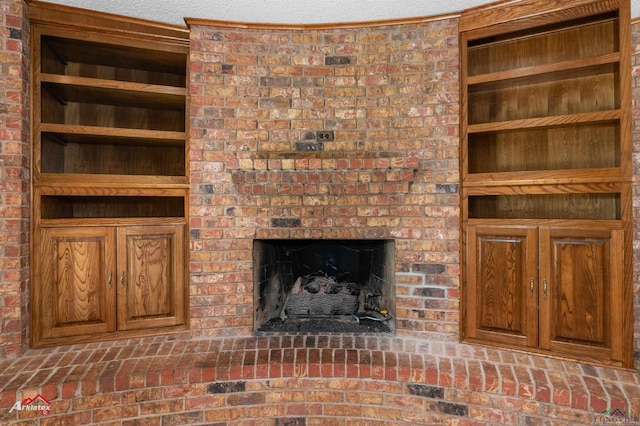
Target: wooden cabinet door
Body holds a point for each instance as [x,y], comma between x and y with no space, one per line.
[501,294]
[76,281]
[581,292]
[150,276]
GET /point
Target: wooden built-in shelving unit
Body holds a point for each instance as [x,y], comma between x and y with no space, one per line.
[110,176]
[546,174]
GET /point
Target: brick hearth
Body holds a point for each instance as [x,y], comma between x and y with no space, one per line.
[308,380]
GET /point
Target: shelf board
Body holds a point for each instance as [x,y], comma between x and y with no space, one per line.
[564,223]
[507,188]
[113,84]
[538,72]
[115,221]
[110,92]
[112,55]
[87,133]
[559,120]
[101,184]
[88,139]
[572,176]
[569,76]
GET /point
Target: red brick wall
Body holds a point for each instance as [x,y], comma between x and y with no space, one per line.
[14,178]
[390,94]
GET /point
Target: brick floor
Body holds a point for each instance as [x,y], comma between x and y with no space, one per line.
[307,380]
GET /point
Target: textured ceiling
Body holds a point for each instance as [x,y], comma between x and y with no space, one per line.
[281,11]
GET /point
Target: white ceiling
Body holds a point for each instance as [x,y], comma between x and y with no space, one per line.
[281,11]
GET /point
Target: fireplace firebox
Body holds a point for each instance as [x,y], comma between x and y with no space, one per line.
[324,285]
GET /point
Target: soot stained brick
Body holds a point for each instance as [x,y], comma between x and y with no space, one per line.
[301,421]
[430,268]
[309,146]
[429,292]
[275,81]
[453,409]
[449,188]
[426,391]
[337,60]
[206,189]
[285,223]
[226,387]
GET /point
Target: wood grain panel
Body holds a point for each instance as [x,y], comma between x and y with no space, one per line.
[151,280]
[148,293]
[120,30]
[501,276]
[100,107]
[74,56]
[581,289]
[98,156]
[533,99]
[553,148]
[605,206]
[72,207]
[501,279]
[77,276]
[77,290]
[514,15]
[537,47]
[581,311]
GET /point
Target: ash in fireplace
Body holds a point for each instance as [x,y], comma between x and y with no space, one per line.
[324,325]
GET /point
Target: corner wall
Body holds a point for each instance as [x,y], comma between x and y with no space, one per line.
[14,178]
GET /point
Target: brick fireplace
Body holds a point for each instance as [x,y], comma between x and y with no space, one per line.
[262,173]
[343,134]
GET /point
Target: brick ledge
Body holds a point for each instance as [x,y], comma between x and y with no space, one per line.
[454,380]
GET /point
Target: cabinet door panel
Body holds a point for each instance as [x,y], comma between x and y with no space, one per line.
[578,309]
[77,281]
[501,279]
[151,277]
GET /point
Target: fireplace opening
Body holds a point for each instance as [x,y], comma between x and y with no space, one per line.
[324,285]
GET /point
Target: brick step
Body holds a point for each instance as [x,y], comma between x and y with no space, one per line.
[176,379]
